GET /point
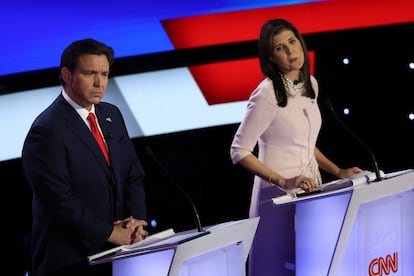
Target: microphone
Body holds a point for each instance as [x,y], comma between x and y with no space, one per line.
[378,176]
[165,171]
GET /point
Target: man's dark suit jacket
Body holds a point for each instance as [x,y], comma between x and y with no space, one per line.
[76,196]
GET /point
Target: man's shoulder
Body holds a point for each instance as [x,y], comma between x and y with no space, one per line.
[106,107]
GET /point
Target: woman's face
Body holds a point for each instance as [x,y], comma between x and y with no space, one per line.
[287,52]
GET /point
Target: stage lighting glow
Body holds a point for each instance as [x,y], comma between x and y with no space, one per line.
[346,111]
[345,61]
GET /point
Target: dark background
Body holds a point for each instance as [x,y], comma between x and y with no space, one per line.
[377,86]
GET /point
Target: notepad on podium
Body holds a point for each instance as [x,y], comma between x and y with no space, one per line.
[163,239]
[152,239]
[361,178]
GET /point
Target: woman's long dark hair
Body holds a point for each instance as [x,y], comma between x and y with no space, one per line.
[271,70]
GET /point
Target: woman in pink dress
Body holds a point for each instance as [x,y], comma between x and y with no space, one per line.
[283,120]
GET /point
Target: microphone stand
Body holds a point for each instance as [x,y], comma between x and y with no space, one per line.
[378,176]
[165,171]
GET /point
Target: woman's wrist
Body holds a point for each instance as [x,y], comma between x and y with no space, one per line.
[270,178]
[275,181]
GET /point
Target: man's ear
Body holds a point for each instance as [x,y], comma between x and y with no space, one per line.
[66,75]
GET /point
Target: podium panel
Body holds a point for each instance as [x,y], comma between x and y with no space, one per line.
[225,261]
[159,262]
[366,230]
[318,225]
[381,241]
[220,250]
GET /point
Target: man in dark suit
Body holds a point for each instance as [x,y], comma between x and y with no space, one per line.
[82,204]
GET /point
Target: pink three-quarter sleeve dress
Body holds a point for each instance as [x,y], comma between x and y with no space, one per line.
[286,136]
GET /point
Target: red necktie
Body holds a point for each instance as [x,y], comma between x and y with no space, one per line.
[98,137]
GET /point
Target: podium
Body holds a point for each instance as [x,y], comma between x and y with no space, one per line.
[361,230]
[220,250]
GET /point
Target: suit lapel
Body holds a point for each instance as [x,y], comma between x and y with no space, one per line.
[76,125]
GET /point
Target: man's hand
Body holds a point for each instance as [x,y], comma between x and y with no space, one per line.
[128,231]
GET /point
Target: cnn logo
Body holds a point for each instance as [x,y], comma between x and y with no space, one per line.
[378,266]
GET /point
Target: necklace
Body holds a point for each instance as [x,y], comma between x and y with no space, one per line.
[292,86]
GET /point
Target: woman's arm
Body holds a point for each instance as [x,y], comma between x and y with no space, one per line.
[253,165]
[330,167]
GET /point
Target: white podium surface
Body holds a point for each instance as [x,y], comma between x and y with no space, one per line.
[362,230]
[221,250]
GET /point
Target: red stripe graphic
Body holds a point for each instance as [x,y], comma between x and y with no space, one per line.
[231,27]
[234,80]
[230,81]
